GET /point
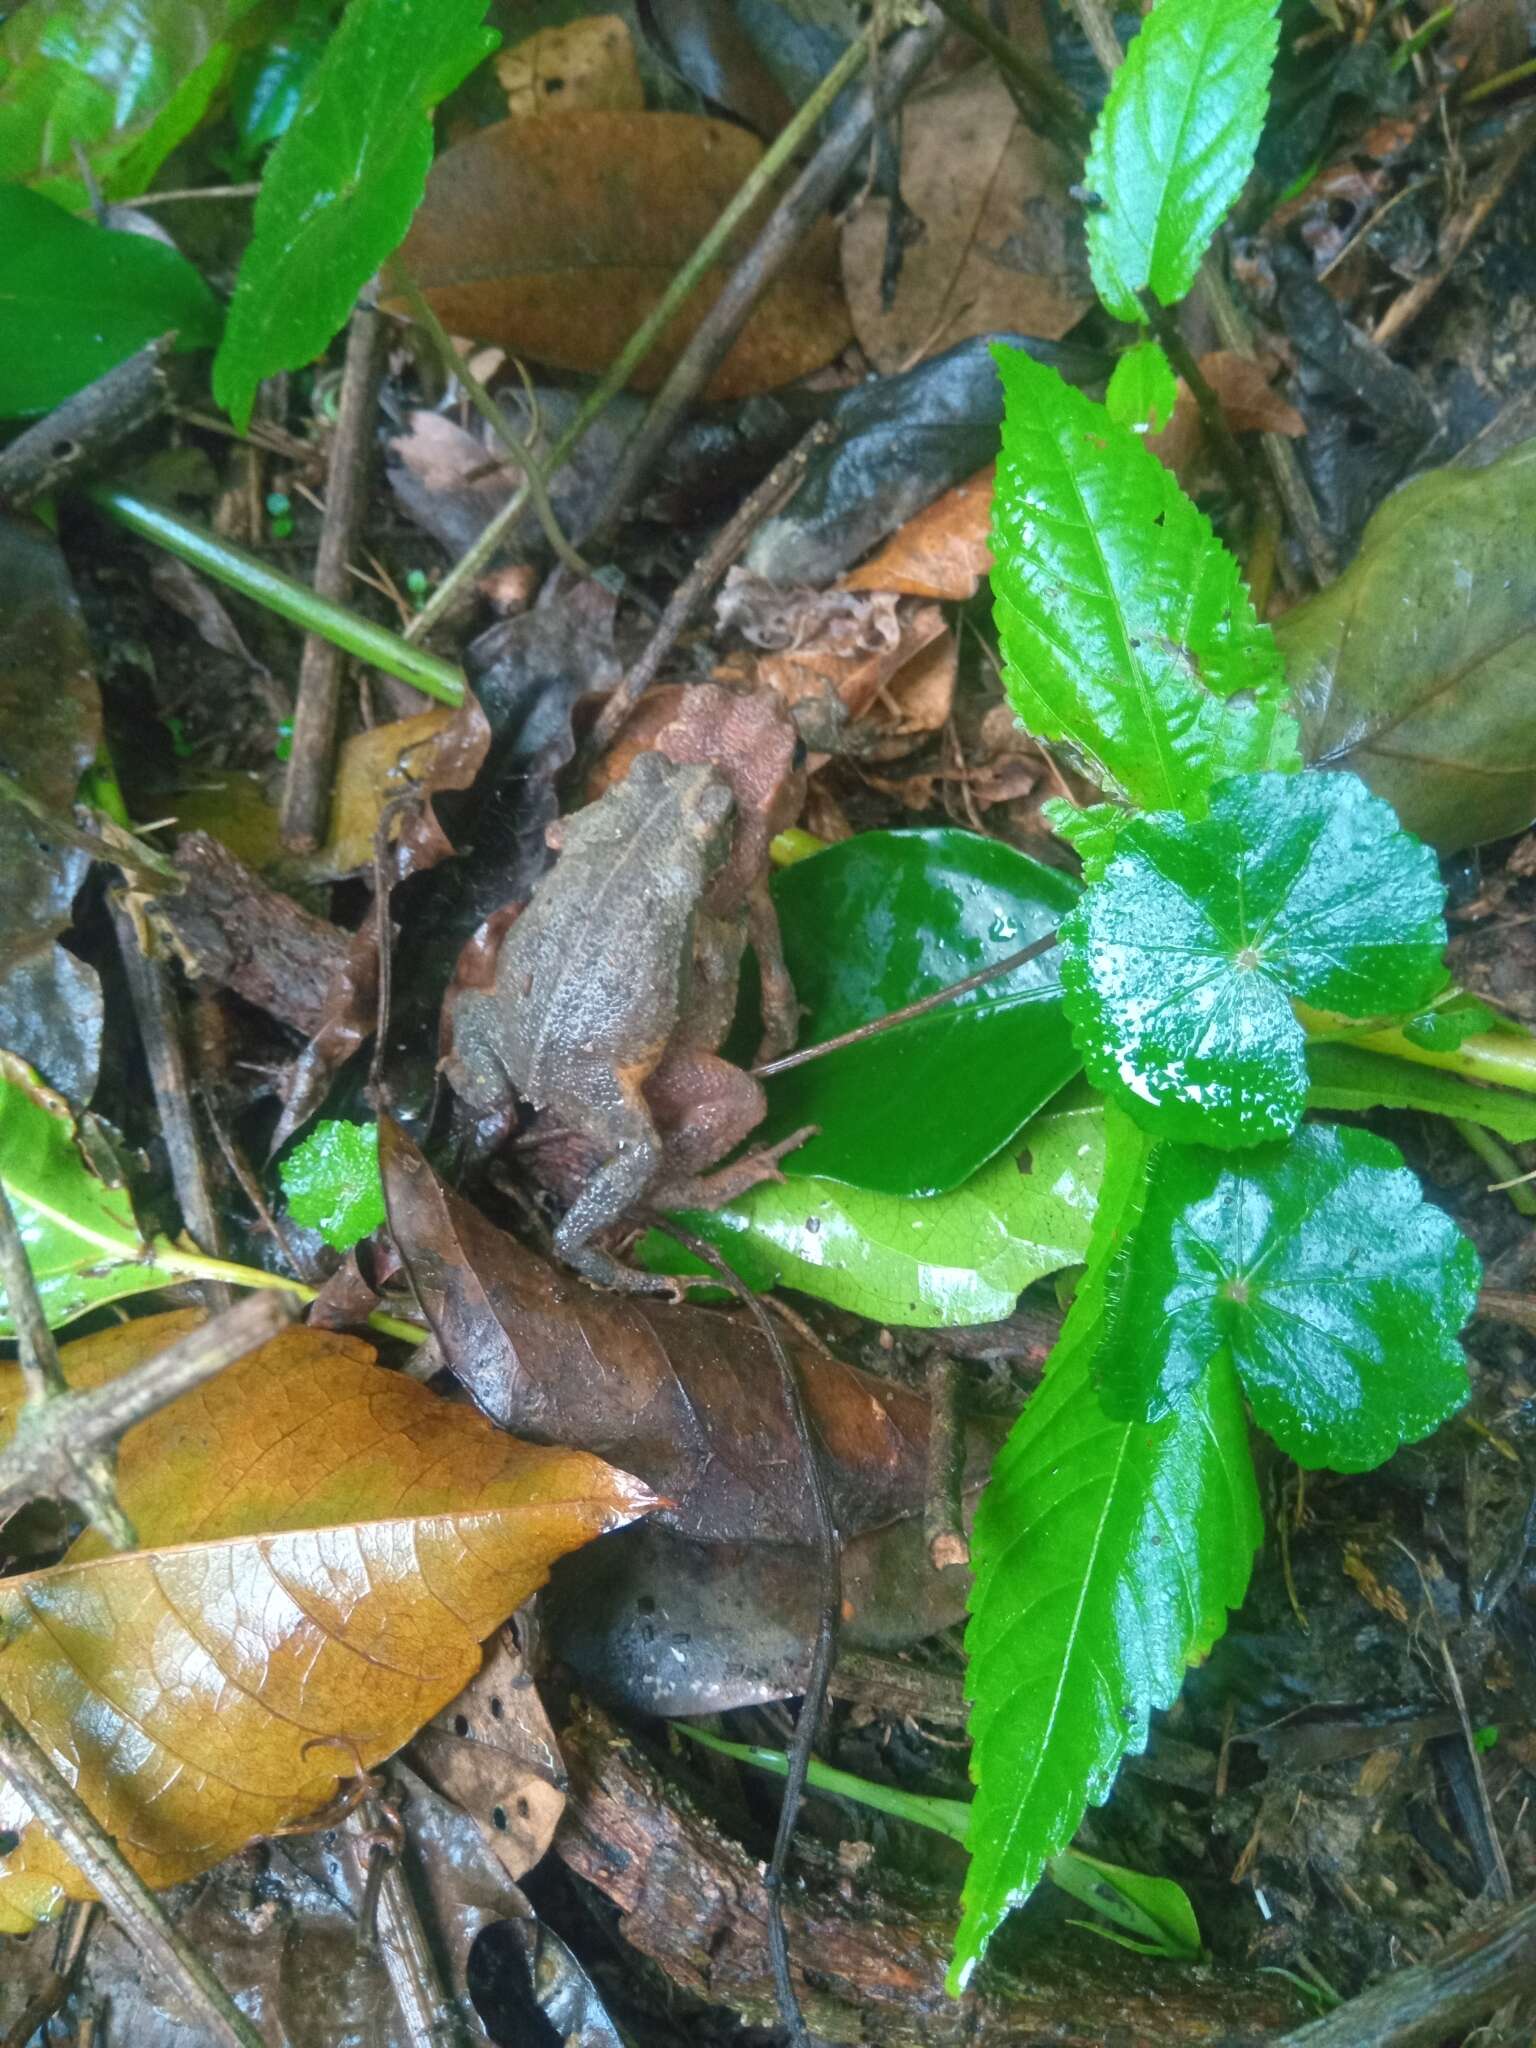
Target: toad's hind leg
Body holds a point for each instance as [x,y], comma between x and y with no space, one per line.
[614,1115]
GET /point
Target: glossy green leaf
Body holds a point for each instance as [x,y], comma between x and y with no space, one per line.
[268,87]
[1174,145]
[1350,1077]
[1142,389]
[125,80]
[873,924]
[342,184]
[1446,1025]
[1106,1556]
[84,1246]
[1180,965]
[77,298]
[1125,628]
[1317,1267]
[333,1184]
[1414,667]
[934,1263]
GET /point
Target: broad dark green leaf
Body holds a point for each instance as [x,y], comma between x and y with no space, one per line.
[1317,1267]
[342,184]
[77,298]
[934,1263]
[1180,966]
[1143,389]
[83,1243]
[1174,144]
[1351,1077]
[1106,1557]
[917,1109]
[1126,631]
[1414,668]
[333,1184]
[125,80]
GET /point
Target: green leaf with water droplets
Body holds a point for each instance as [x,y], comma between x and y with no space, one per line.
[1181,964]
[1319,1269]
[341,185]
[1106,1556]
[333,1184]
[1125,628]
[1174,144]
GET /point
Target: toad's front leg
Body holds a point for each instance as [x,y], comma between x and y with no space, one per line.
[608,1108]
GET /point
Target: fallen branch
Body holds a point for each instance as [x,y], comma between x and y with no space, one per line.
[79,435]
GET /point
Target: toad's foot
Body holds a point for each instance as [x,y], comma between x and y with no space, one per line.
[726,1183]
[603,1270]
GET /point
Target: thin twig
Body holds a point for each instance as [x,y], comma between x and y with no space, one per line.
[823,1654]
[1164,324]
[146,868]
[159,1025]
[1439,2000]
[1099,27]
[79,434]
[494,416]
[771,496]
[1054,105]
[943,1509]
[124,1893]
[779,237]
[49,1997]
[55,1435]
[784,147]
[920,1008]
[290,599]
[306,806]
[390,1918]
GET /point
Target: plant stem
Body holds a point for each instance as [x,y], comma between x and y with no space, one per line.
[1056,105]
[264,585]
[195,1265]
[648,333]
[1498,1161]
[1494,1056]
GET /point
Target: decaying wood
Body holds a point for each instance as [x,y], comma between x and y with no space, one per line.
[866,1971]
[78,436]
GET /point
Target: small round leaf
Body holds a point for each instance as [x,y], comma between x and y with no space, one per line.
[1337,1288]
[1181,964]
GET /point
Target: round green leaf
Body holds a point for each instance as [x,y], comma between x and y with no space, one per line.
[1337,1288]
[1180,966]
[873,924]
[79,299]
[963,1257]
[333,1184]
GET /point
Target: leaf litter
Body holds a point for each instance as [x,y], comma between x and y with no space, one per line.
[847,626]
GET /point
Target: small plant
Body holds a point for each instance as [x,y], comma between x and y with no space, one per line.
[1234,904]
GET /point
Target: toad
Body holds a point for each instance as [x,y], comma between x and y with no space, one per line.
[580,1014]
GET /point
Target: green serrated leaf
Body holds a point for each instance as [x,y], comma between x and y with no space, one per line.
[1125,627]
[916,1110]
[1091,832]
[1444,1026]
[1175,143]
[342,184]
[1142,389]
[935,1263]
[1106,1556]
[333,1184]
[1316,1267]
[1348,1077]
[79,299]
[1180,965]
[124,81]
[83,1242]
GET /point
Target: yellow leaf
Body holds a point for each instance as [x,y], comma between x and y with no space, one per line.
[326,1546]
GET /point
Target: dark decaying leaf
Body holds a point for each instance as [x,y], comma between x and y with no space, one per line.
[656,1624]
[50,728]
[899,442]
[917,1109]
[1320,1270]
[1000,246]
[689,1399]
[712,49]
[555,237]
[1414,668]
[1182,963]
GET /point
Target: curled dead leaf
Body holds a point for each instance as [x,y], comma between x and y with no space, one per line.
[942,552]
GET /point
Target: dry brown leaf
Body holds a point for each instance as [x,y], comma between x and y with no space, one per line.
[586,66]
[217,1683]
[897,692]
[942,553]
[556,237]
[435,750]
[1001,246]
[1248,400]
[493,1753]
